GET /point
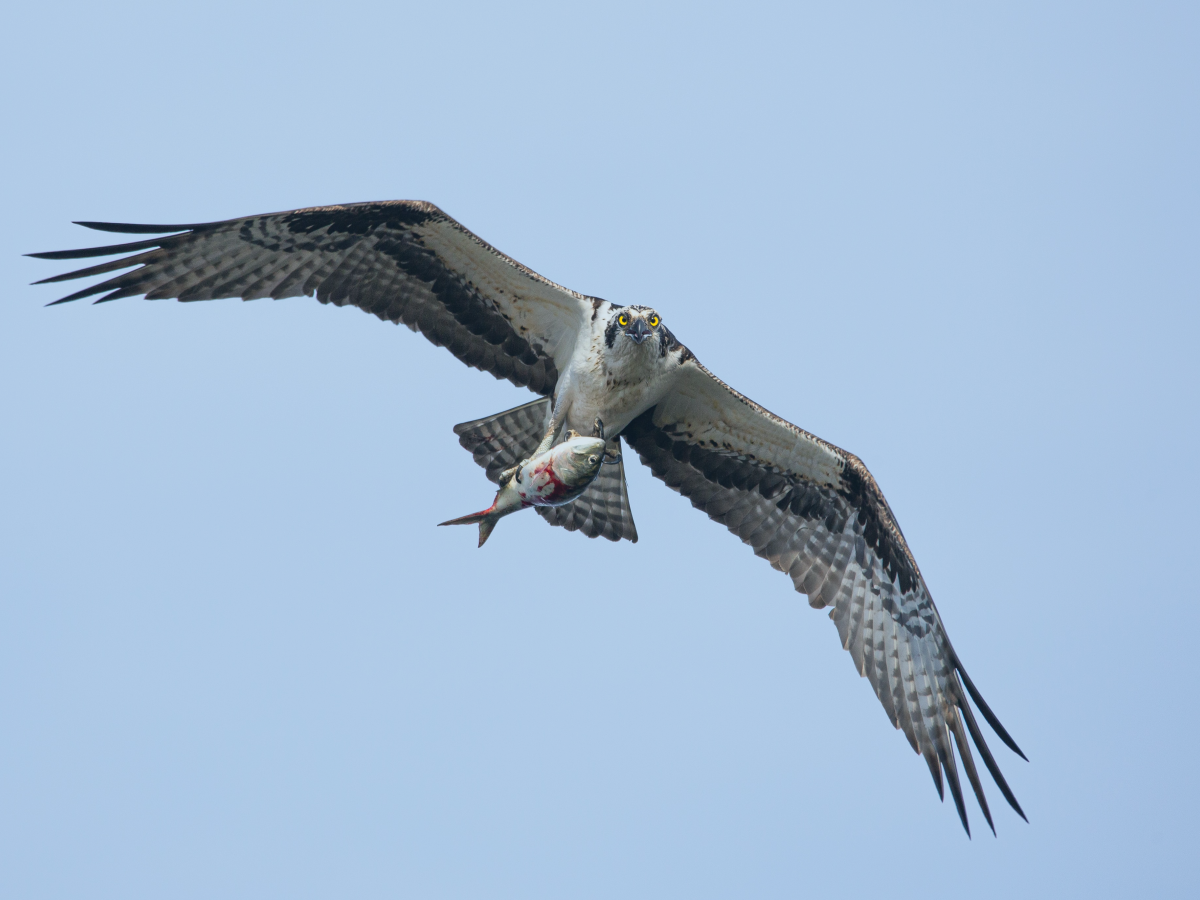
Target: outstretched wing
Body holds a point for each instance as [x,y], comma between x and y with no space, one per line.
[814,512]
[405,261]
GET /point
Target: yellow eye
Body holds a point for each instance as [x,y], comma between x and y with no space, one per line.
[623,320]
[654,320]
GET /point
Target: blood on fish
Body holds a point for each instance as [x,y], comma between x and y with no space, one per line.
[541,484]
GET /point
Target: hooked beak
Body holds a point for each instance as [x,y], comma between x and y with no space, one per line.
[638,331]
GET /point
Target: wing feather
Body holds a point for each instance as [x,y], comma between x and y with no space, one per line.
[404,261]
[814,512]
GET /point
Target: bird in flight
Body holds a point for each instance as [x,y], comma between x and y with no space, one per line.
[810,509]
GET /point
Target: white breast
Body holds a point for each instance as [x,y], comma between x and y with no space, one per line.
[616,384]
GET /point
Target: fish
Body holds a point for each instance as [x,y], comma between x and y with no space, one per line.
[553,478]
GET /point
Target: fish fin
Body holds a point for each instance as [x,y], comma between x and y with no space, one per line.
[466,520]
[485,528]
[486,521]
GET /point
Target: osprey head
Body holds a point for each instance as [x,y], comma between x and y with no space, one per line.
[635,323]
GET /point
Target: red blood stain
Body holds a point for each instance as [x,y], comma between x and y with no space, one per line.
[549,493]
[559,487]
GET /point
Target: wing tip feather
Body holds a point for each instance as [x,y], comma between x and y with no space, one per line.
[990,717]
[989,761]
[131,228]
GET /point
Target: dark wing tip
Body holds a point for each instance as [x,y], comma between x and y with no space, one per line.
[946,757]
[989,716]
[988,760]
[125,228]
[89,252]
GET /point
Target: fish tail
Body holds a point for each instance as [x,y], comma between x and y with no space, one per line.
[487,521]
[485,528]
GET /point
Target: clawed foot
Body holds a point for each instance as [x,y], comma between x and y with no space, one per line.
[515,472]
[612,456]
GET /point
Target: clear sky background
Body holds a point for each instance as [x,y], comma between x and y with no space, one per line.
[237,659]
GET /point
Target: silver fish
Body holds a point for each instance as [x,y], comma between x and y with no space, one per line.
[554,478]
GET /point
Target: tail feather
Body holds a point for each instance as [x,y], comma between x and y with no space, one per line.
[486,521]
[502,440]
[600,511]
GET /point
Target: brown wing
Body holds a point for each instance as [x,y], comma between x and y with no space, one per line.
[814,512]
[405,261]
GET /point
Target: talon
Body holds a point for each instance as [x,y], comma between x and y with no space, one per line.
[598,429]
[612,457]
[515,472]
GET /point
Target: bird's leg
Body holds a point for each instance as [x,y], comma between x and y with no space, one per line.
[557,417]
[612,455]
[556,423]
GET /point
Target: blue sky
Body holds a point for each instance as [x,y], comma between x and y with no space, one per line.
[237,658]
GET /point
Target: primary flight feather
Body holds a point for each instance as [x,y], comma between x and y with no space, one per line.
[811,510]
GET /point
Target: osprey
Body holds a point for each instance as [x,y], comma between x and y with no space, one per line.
[811,510]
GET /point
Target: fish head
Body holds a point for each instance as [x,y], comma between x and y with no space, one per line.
[584,458]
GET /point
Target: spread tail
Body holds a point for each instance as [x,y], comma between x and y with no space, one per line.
[486,521]
[500,441]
